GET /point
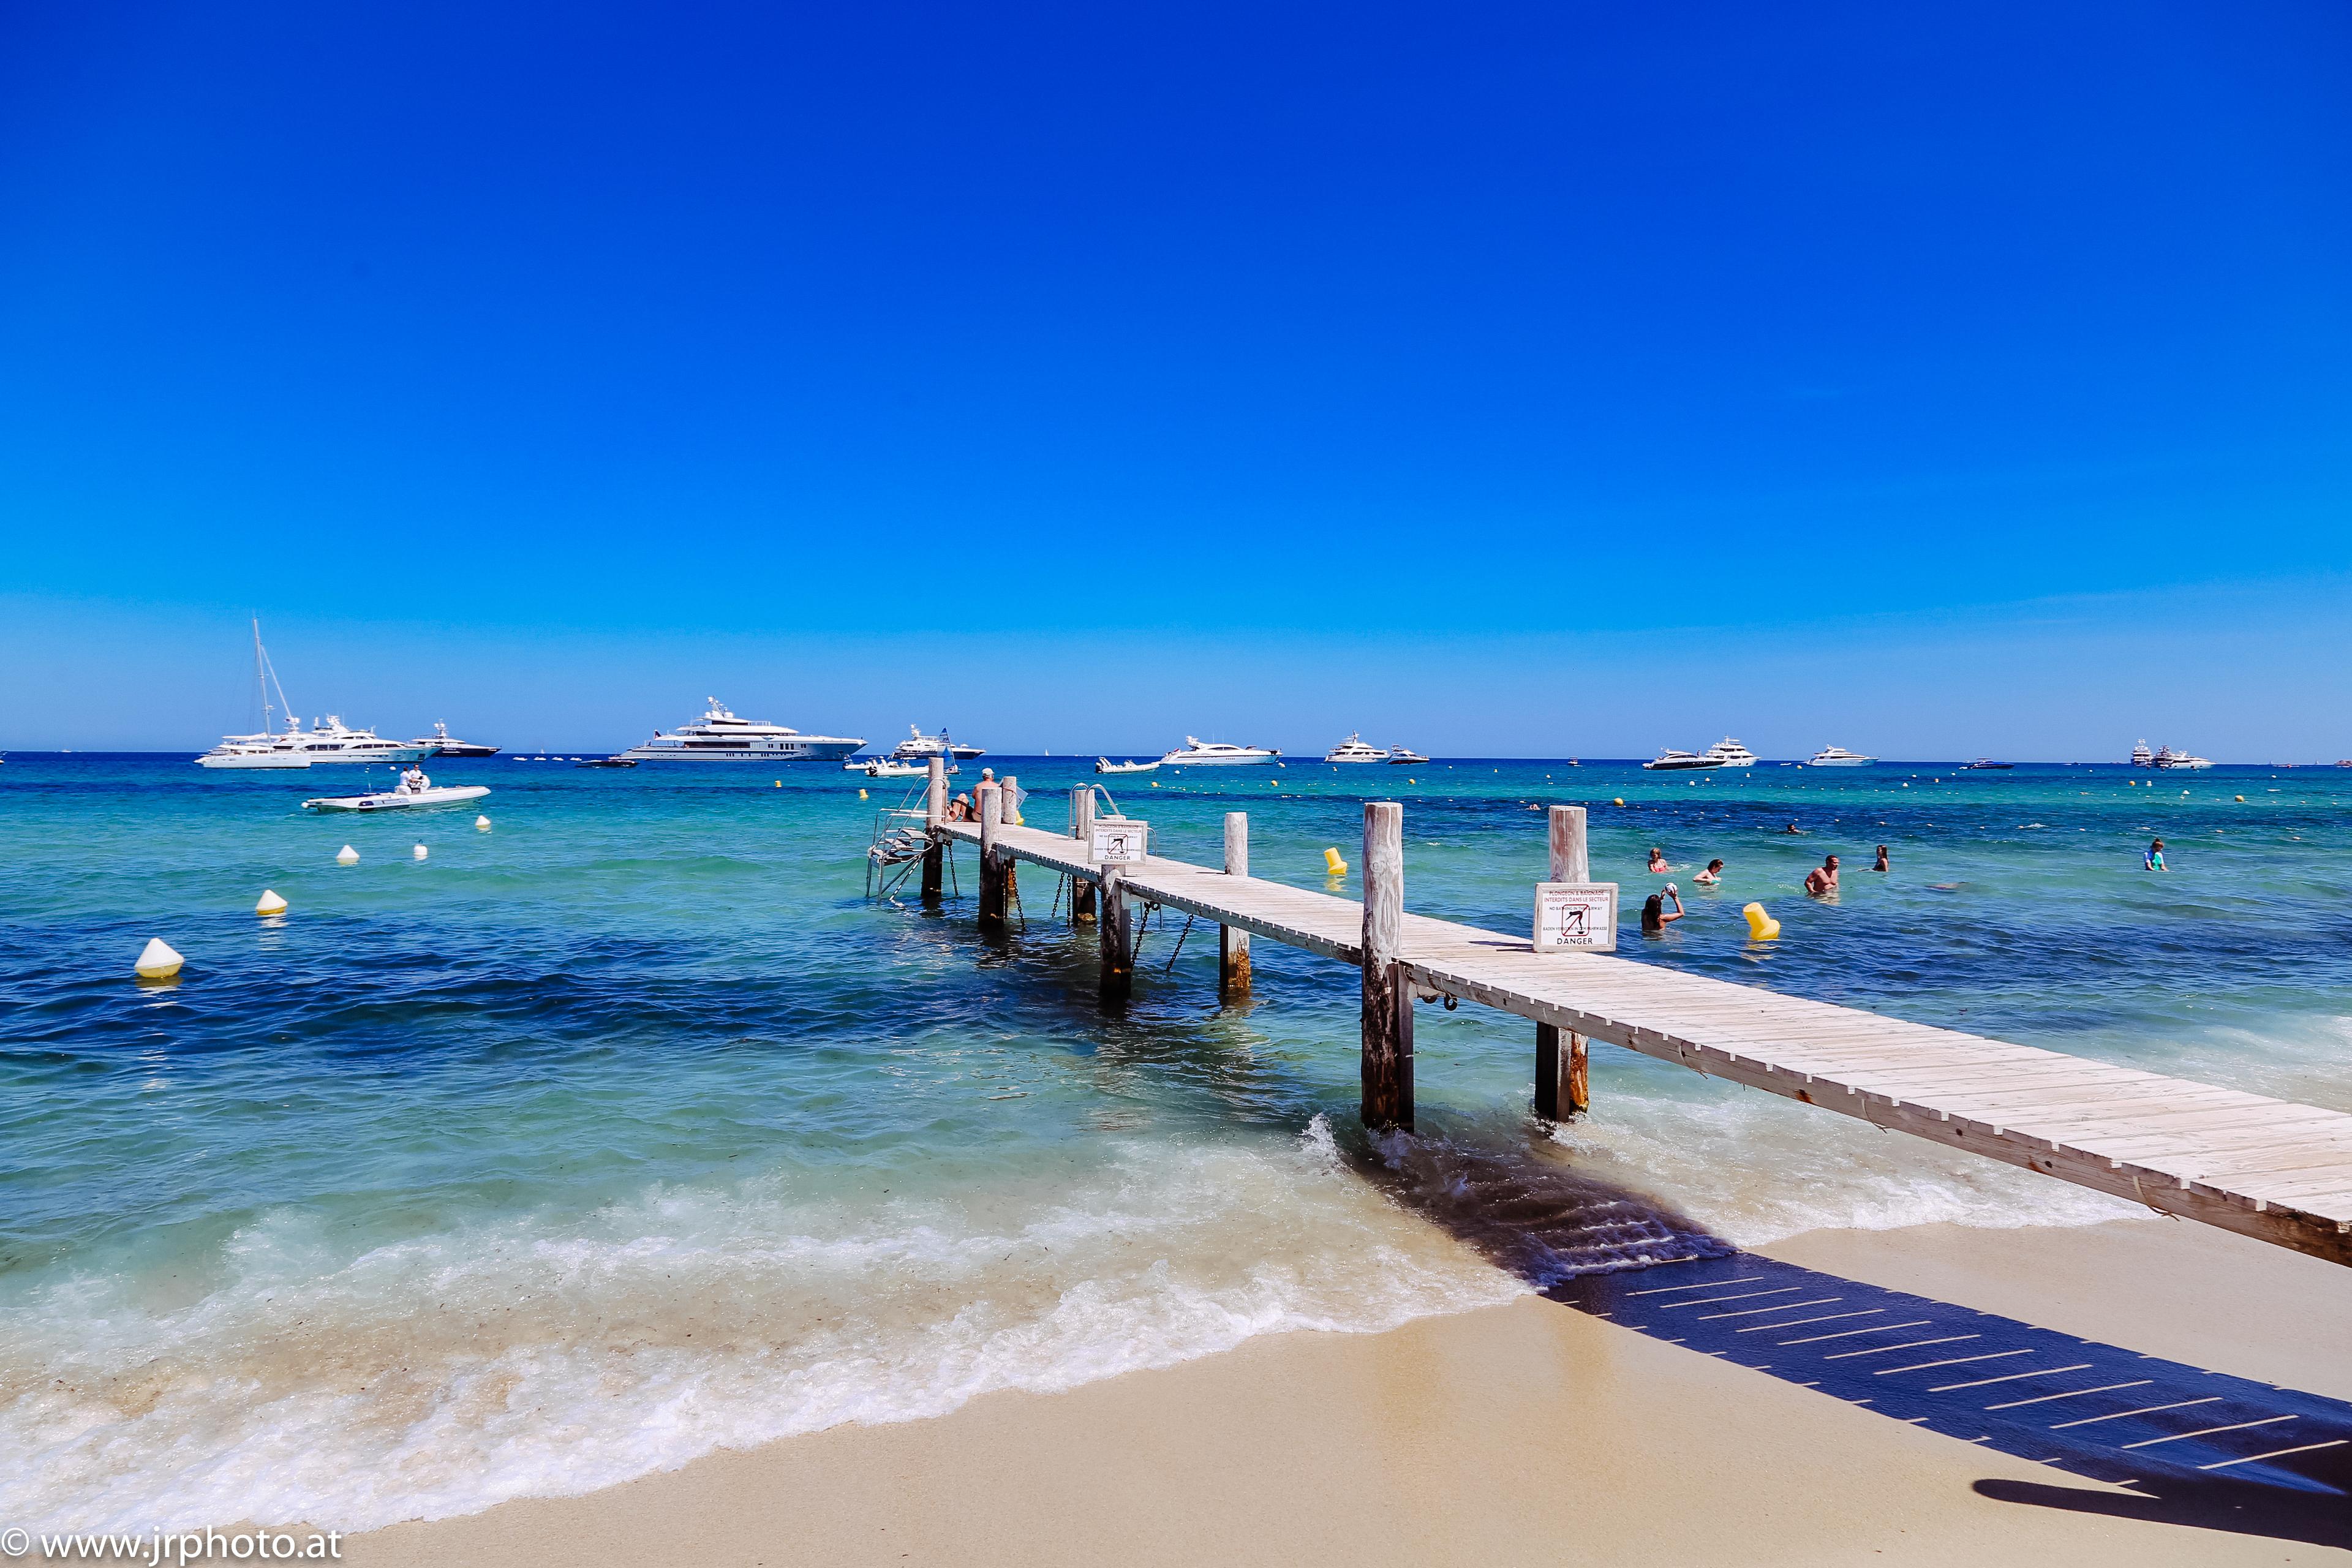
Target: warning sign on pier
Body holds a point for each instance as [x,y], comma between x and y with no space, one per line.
[1120,841]
[1576,917]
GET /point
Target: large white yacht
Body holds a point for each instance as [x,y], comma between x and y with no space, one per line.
[918,747]
[1730,753]
[1405,756]
[330,740]
[1672,761]
[269,748]
[2141,756]
[720,737]
[1201,754]
[2166,757]
[1838,757]
[1355,748]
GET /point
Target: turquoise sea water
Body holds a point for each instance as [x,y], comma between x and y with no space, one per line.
[630,1128]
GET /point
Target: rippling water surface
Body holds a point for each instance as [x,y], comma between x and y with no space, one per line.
[631,1129]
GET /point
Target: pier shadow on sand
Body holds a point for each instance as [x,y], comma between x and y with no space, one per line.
[2194,1447]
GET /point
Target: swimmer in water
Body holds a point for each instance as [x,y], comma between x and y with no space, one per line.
[2153,856]
[1658,862]
[1881,865]
[1824,882]
[1712,875]
[1655,918]
[1793,827]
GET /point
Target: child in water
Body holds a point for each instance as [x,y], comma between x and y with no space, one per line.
[1658,862]
[2153,856]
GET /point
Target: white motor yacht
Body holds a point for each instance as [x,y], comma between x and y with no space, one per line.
[444,745]
[1672,761]
[1729,753]
[2141,756]
[1216,753]
[330,740]
[918,746]
[2166,757]
[1402,755]
[720,737]
[268,749]
[1838,757]
[1355,748]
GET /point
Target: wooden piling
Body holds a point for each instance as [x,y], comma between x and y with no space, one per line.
[991,868]
[1571,861]
[1082,829]
[1386,1064]
[1232,941]
[935,812]
[1116,931]
[1008,814]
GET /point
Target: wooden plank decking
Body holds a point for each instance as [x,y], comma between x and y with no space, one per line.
[2267,1168]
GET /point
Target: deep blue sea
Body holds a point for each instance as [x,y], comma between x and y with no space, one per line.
[630,1128]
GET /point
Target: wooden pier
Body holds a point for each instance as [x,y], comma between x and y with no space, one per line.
[2266,1168]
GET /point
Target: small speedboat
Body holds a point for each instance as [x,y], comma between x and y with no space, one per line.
[891,768]
[413,790]
[604,763]
[1988,765]
[1105,765]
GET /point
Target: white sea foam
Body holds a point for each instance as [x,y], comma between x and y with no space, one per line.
[440,1373]
[1753,1168]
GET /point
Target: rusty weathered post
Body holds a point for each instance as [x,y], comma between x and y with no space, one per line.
[1117,930]
[1232,941]
[1387,1065]
[1082,829]
[1570,862]
[1008,814]
[935,812]
[991,873]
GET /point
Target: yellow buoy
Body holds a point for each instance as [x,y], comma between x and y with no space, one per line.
[1155,784]
[270,904]
[2241,800]
[861,794]
[1761,927]
[779,783]
[1333,864]
[482,823]
[419,852]
[157,961]
[1619,801]
[347,855]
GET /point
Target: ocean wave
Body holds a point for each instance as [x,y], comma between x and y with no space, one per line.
[440,1373]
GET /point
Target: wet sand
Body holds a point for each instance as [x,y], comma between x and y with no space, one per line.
[1529,1433]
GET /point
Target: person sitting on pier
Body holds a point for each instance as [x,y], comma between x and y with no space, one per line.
[1822,882]
[2153,855]
[1712,875]
[1880,863]
[1655,918]
[1658,862]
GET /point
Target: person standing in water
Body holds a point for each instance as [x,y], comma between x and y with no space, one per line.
[1881,865]
[1824,882]
[1658,862]
[2153,856]
[1712,875]
[1655,918]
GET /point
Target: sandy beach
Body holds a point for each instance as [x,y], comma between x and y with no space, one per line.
[1523,1432]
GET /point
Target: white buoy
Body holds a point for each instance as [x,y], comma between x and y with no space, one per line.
[347,855]
[157,961]
[483,822]
[419,852]
[270,904]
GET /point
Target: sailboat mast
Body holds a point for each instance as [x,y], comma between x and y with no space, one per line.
[261,681]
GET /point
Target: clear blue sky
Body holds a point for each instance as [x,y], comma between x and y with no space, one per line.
[1557,379]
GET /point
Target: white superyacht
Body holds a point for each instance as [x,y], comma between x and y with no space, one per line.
[918,747]
[1355,748]
[1838,757]
[720,737]
[1219,753]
